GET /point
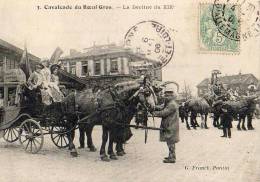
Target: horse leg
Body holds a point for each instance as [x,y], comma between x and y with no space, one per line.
[220,123]
[196,122]
[90,144]
[110,146]
[202,125]
[119,149]
[72,148]
[81,136]
[238,124]
[249,121]
[103,155]
[243,122]
[206,118]
[182,117]
[187,123]
[215,120]
[71,136]
[192,121]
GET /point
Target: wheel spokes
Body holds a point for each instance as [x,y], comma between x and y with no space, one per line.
[31,136]
[27,145]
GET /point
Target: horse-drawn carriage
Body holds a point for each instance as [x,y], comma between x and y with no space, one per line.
[28,120]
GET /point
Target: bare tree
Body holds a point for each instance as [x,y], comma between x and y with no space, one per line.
[186,92]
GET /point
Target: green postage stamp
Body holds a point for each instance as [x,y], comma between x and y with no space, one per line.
[219,28]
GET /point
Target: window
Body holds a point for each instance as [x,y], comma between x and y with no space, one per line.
[97,67]
[1,65]
[114,66]
[73,68]
[64,66]
[84,68]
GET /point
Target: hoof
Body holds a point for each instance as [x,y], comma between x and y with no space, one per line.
[206,127]
[121,153]
[74,153]
[244,128]
[105,158]
[188,128]
[168,160]
[113,157]
[80,147]
[250,128]
[92,149]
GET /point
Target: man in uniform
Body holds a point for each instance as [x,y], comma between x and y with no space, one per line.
[170,124]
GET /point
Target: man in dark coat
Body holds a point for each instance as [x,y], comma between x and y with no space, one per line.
[226,120]
[170,122]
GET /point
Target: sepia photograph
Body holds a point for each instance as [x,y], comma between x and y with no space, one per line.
[135,90]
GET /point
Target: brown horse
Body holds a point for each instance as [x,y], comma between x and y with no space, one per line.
[113,108]
[198,106]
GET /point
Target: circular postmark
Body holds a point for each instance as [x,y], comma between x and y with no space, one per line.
[153,40]
[237,17]
[250,19]
[226,18]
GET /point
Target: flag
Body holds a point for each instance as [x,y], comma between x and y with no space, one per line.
[56,55]
[25,63]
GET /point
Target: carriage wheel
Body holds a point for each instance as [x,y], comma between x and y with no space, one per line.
[31,136]
[59,136]
[11,134]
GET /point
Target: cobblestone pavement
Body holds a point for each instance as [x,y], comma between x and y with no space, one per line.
[202,155]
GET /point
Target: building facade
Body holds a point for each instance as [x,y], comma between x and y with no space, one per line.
[10,74]
[239,81]
[107,63]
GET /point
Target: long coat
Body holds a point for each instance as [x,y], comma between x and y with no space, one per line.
[170,122]
[226,120]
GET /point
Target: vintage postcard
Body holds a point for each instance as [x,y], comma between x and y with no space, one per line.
[136,90]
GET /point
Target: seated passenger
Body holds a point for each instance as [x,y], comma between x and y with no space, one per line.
[46,73]
[36,79]
[54,84]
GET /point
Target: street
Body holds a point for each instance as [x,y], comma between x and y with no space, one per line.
[202,155]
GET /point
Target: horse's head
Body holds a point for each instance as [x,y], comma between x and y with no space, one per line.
[134,92]
[147,97]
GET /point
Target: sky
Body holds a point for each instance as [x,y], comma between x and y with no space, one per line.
[44,30]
